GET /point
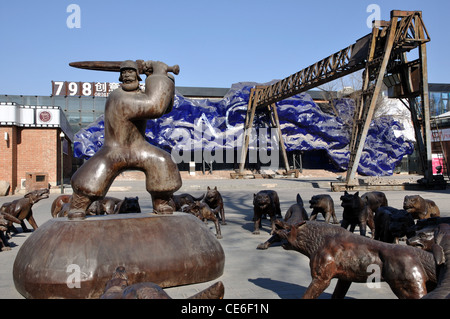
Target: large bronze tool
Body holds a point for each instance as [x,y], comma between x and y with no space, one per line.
[114,66]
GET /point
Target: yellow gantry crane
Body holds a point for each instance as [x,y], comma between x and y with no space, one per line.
[383,56]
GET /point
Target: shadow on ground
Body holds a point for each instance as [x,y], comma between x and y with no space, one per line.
[284,290]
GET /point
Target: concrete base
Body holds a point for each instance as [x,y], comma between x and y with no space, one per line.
[75,258]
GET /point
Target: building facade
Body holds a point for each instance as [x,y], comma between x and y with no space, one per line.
[440,126]
[33,145]
[36,146]
[82,110]
[439,98]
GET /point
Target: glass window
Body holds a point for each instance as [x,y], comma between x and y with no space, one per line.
[87,118]
[439,103]
[444,102]
[15,98]
[29,100]
[60,101]
[44,100]
[87,104]
[99,105]
[73,117]
[73,104]
[434,103]
[74,120]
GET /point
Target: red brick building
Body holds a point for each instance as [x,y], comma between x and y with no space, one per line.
[32,139]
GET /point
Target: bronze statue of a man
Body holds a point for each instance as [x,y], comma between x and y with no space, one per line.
[127,110]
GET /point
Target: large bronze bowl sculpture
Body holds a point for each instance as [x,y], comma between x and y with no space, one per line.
[75,258]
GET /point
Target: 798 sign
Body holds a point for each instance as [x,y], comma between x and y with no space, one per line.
[65,88]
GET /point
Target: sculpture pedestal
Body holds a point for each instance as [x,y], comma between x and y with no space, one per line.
[75,258]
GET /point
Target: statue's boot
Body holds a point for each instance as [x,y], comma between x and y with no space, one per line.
[78,206]
[163,204]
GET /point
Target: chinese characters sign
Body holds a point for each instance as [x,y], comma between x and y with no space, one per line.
[440,135]
[65,88]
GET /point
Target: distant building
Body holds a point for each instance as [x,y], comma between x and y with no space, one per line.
[82,110]
[30,126]
[33,139]
[440,125]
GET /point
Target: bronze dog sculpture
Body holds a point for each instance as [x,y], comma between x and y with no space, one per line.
[374,200]
[119,288]
[202,211]
[424,230]
[22,209]
[128,205]
[441,253]
[420,208]
[4,221]
[323,204]
[423,238]
[337,253]
[214,200]
[391,224]
[58,204]
[185,199]
[106,205]
[294,215]
[356,212]
[265,203]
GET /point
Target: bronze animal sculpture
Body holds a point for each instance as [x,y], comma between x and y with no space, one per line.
[128,205]
[337,253]
[265,202]
[214,200]
[441,253]
[58,204]
[374,200]
[184,199]
[420,208]
[22,209]
[356,212]
[323,204]
[202,211]
[294,215]
[424,230]
[119,288]
[107,205]
[423,238]
[391,224]
[127,110]
[4,221]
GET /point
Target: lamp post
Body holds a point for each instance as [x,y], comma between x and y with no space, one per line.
[61,136]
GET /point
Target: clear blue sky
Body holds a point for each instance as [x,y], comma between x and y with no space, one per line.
[216,43]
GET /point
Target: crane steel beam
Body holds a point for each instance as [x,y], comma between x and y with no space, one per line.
[339,64]
[381,53]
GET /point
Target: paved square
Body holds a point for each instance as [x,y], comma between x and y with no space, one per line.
[249,273]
